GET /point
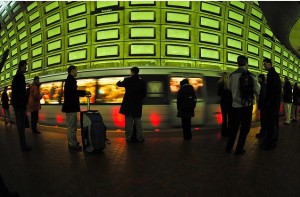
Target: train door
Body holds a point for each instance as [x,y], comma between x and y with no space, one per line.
[197,81]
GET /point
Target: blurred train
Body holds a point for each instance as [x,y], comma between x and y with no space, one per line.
[159,109]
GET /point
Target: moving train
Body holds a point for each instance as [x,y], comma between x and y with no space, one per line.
[159,109]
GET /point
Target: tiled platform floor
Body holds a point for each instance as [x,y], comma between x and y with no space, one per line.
[164,165]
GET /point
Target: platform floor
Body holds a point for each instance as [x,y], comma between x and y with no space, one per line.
[164,165]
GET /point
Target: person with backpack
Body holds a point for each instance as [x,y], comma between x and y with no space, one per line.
[225,102]
[186,103]
[296,102]
[243,86]
[272,102]
[262,105]
[287,99]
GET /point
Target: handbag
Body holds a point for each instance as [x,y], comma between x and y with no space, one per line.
[26,120]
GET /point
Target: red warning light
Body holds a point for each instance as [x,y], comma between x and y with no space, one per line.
[197,129]
[156,130]
[59,118]
[119,119]
[41,117]
[154,119]
[219,117]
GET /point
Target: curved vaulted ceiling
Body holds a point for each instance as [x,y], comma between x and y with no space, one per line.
[283,17]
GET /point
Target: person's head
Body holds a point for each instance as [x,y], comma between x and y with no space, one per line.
[36,80]
[242,60]
[22,66]
[184,81]
[72,70]
[296,85]
[261,78]
[134,71]
[286,79]
[267,63]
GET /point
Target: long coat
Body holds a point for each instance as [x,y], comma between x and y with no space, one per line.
[18,93]
[287,92]
[185,90]
[273,90]
[4,100]
[71,95]
[34,98]
[135,92]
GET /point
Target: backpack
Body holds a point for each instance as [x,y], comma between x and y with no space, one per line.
[188,102]
[246,87]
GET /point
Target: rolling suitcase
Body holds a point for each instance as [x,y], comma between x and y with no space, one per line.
[93,130]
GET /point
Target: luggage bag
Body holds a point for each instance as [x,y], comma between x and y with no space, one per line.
[93,130]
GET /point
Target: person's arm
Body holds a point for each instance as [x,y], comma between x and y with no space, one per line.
[122,83]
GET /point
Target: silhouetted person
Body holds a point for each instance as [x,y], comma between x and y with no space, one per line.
[241,110]
[186,103]
[71,106]
[262,105]
[5,106]
[18,98]
[296,102]
[34,103]
[273,99]
[225,102]
[132,104]
[287,99]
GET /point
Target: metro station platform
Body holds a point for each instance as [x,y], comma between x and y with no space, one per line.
[164,165]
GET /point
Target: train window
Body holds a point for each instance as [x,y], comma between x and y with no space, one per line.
[197,83]
[51,92]
[87,85]
[157,89]
[108,91]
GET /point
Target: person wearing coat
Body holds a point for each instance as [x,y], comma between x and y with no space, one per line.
[5,106]
[71,106]
[186,103]
[34,105]
[287,99]
[296,102]
[132,104]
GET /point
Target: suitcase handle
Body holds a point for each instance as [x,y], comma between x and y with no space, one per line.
[88,102]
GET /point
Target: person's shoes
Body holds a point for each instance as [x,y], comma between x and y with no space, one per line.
[75,148]
[36,132]
[258,135]
[26,148]
[240,152]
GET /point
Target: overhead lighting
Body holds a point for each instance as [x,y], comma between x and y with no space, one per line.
[2,5]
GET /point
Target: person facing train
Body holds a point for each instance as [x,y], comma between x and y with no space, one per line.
[71,106]
[225,102]
[132,104]
[186,103]
[5,106]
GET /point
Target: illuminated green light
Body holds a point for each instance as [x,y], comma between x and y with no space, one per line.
[256,13]
[253,62]
[210,8]
[110,34]
[185,4]
[51,6]
[32,6]
[56,59]
[35,27]
[7,65]
[178,34]
[16,8]
[54,45]
[210,38]
[269,32]
[37,64]
[107,18]
[277,49]
[2,33]
[23,46]
[21,25]
[142,49]
[79,39]
[34,16]
[7,75]
[13,42]
[103,4]
[267,43]
[235,16]
[11,33]
[284,63]
[178,17]
[2,77]
[144,32]
[278,70]
[54,32]
[52,19]
[142,16]
[19,16]
[285,54]
[9,25]
[232,57]
[207,22]
[37,51]
[79,24]
[291,58]
[267,54]
[15,62]
[176,50]
[253,49]
[107,51]
[234,43]
[238,4]
[22,35]
[291,66]
[142,3]
[209,54]
[77,10]
[254,24]
[24,56]
[253,36]
[36,39]
[234,29]
[77,55]
[6,18]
